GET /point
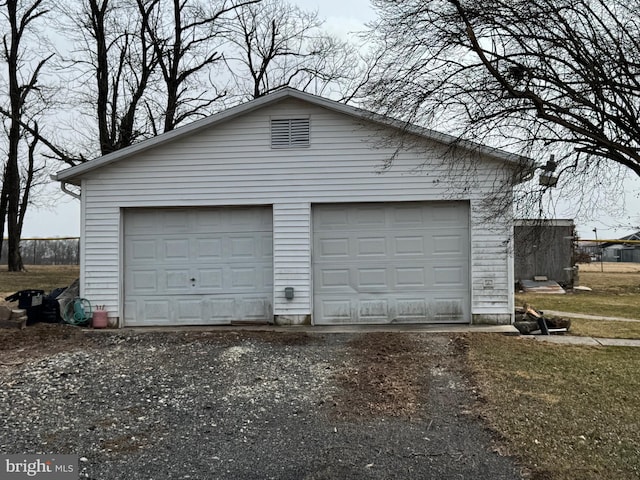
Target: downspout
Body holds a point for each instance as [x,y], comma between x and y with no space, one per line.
[63,187]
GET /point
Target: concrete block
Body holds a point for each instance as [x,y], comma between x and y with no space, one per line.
[18,313]
[15,319]
[492,319]
[292,320]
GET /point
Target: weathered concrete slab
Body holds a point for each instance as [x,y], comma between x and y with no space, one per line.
[417,328]
[618,342]
[588,341]
[567,340]
[548,286]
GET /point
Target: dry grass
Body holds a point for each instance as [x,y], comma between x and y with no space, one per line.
[38,277]
[605,329]
[610,267]
[620,283]
[590,303]
[613,295]
[567,412]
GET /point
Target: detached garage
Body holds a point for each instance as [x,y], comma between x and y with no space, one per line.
[286,209]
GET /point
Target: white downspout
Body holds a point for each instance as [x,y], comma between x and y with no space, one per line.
[63,187]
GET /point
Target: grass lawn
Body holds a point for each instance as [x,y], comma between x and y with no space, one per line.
[605,329]
[567,412]
[613,295]
[38,277]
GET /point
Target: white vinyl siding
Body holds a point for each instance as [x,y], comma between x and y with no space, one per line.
[291,257]
[100,253]
[234,164]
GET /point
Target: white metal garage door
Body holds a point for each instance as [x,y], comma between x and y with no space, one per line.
[198,266]
[394,262]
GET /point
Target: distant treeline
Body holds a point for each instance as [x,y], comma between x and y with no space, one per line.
[47,251]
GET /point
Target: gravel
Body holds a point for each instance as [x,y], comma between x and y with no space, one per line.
[250,405]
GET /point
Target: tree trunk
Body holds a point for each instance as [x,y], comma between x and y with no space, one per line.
[12,173]
[173,69]
[3,209]
[98,13]
[12,181]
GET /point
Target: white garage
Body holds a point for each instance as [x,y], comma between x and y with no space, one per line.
[198,266]
[295,209]
[391,263]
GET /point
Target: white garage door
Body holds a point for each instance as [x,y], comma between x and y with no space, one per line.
[198,266]
[391,263]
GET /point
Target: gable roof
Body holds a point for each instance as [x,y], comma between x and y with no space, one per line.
[634,238]
[69,174]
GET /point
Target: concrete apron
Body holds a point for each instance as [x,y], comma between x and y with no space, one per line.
[406,328]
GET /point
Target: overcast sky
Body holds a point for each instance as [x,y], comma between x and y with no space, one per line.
[342,17]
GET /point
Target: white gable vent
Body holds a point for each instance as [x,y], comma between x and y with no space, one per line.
[290,133]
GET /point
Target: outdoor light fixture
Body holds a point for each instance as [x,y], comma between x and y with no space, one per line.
[547,178]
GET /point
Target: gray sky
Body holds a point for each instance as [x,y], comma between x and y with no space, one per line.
[342,17]
[345,17]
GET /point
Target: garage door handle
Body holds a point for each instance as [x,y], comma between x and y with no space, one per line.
[193,279]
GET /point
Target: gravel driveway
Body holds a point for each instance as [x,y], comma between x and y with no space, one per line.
[245,405]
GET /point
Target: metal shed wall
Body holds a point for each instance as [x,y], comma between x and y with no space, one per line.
[545,248]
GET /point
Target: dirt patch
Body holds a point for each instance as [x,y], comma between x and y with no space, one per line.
[283,338]
[37,341]
[386,374]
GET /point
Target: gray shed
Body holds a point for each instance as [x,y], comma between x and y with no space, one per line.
[544,248]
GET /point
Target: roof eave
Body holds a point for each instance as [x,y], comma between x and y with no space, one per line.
[71,175]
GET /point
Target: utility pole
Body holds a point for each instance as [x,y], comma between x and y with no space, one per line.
[595,232]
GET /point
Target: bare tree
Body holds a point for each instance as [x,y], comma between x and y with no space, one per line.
[552,76]
[278,44]
[115,67]
[186,37]
[23,87]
